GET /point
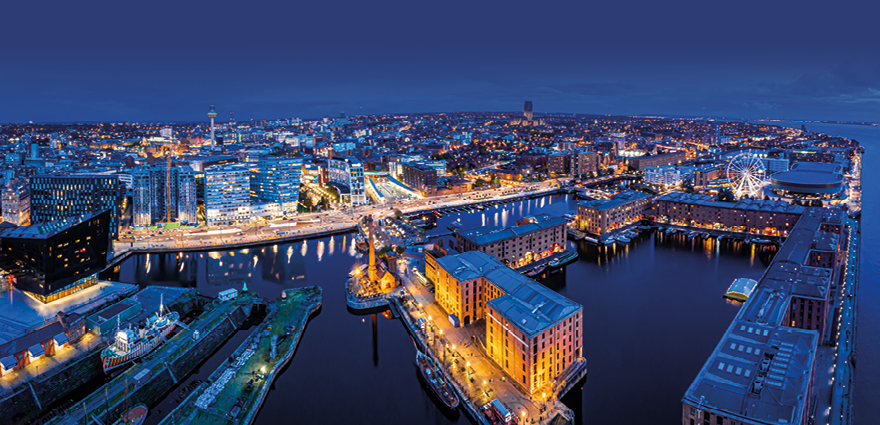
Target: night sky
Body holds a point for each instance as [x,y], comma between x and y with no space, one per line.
[168,60]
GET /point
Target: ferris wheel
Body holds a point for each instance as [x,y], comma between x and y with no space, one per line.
[745,173]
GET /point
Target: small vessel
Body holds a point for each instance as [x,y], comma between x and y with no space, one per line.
[720,238]
[454,226]
[361,242]
[135,416]
[741,289]
[706,236]
[564,260]
[131,344]
[569,217]
[442,389]
[762,241]
[536,271]
[622,239]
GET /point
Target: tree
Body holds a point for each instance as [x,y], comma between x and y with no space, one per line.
[726,195]
[400,249]
[398,214]
[817,203]
[306,202]
[325,203]
[688,187]
[496,181]
[479,183]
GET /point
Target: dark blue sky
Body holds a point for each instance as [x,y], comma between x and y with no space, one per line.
[167,60]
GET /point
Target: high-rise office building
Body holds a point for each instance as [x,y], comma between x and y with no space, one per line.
[227,194]
[347,174]
[277,180]
[17,203]
[152,196]
[55,197]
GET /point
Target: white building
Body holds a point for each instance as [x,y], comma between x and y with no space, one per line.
[775,165]
[227,194]
[349,173]
[17,203]
[667,175]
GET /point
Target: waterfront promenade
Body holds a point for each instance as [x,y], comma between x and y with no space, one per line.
[476,377]
[280,231]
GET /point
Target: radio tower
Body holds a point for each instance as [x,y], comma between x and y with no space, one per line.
[212,114]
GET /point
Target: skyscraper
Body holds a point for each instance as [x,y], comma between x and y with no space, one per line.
[227,194]
[277,180]
[54,197]
[149,187]
[527,111]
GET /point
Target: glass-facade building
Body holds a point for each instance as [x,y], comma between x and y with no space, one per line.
[227,194]
[152,197]
[57,197]
[348,172]
[277,180]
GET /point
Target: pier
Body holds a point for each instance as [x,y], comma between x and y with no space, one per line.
[236,390]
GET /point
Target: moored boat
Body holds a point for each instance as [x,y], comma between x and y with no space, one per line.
[131,344]
[442,389]
[136,416]
[564,260]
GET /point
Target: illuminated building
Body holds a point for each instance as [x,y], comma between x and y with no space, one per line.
[17,203]
[149,201]
[347,175]
[227,194]
[420,177]
[41,342]
[775,218]
[602,216]
[57,197]
[531,239]
[532,332]
[58,258]
[277,181]
[765,366]
[641,163]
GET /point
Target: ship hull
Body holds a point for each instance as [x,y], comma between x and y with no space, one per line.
[111,362]
[444,394]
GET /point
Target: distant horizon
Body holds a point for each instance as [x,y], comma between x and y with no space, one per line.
[576,114]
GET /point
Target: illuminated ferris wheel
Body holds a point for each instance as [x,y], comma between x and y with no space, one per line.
[745,173]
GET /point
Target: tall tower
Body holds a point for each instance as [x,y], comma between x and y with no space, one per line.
[527,111]
[212,114]
[372,273]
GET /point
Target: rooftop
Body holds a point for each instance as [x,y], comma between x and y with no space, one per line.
[533,307]
[489,234]
[758,372]
[46,230]
[745,204]
[619,199]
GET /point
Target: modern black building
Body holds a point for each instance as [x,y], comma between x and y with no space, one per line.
[60,258]
[57,197]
